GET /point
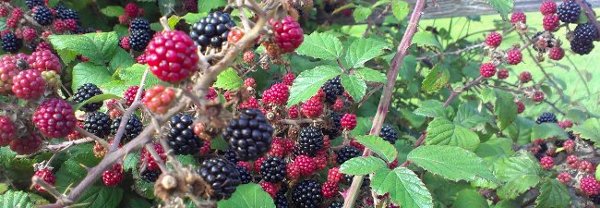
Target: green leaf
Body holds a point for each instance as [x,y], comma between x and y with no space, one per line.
[519,174]
[436,79]
[370,75]
[101,197]
[98,47]
[228,80]
[219,144]
[121,60]
[403,185]
[70,173]
[173,20]
[362,165]
[362,50]
[89,73]
[310,81]
[321,45]
[425,38]
[590,130]
[505,108]
[131,161]
[379,146]
[400,9]
[112,11]
[96,99]
[469,117]
[469,198]
[445,132]
[520,130]
[453,163]
[192,18]
[547,130]
[361,13]
[553,194]
[143,188]
[12,199]
[356,87]
[502,6]
[431,108]
[248,195]
[186,160]
[208,5]
[3,188]
[363,125]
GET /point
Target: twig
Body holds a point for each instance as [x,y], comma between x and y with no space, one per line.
[156,157]
[65,145]
[49,188]
[457,92]
[526,39]
[457,52]
[128,113]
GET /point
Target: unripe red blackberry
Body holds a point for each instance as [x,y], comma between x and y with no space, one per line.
[54,118]
[547,162]
[273,169]
[269,187]
[278,148]
[221,175]
[564,177]
[250,82]
[132,10]
[129,94]
[158,98]
[487,70]
[307,194]
[520,106]
[538,96]
[288,78]
[29,34]
[59,26]
[8,70]
[312,108]
[334,175]
[346,153]
[7,130]
[502,74]
[98,123]
[181,137]
[514,56]
[249,57]
[305,165]
[44,60]
[277,94]
[293,112]
[235,34]
[572,161]
[589,186]
[29,144]
[250,135]
[493,39]
[564,124]
[288,34]
[568,11]
[47,176]
[569,145]
[329,189]
[113,176]
[147,157]
[556,53]
[348,121]
[525,77]
[517,17]
[586,166]
[310,141]
[550,22]
[28,85]
[171,56]
[85,92]
[548,7]
[3,12]
[124,43]
[249,103]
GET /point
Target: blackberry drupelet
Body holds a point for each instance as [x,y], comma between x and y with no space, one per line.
[307,194]
[10,43]
[333,88]
[42,15]
[250,135]
[139,23]
[388,133]
[150,175]
[273,170]
[335,126]
[310,141]
[245,176]
[139,39]
[585,31]
[212,31]
[546,117]
[86,92]
[33,3]
[281,200]
[336,204]
[221,175]
[346,153]
[582,46]
[568,11]
[133,128]
[64,13]
[98,123]
[229,154]
[181,135]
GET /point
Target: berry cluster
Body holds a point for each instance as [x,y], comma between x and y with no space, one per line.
[213,31]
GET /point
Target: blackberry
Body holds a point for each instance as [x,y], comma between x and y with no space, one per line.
[97,123]
[336,204]
[150,175]
[388,134]
[568,11]
[229,154]
[310,141]
[582,46]
[245,176]
[42,15]
[250,135]
[586,31]
[10,43]
[139,23]
[273,170]
[86,92]
[139,39]
[335,125]
[571,135]
[221,175]
[595,198]
[346,153]
[307,194]
[281,200]
[546,117]
[181,135]
[212,31]
[64,13]
[133,128]
[33,3]
[548,37]
[333,88]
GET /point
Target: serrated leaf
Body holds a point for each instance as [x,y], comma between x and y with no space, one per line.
[400,9]
[310,81]
[370,75]
[356,87]
[321,45]
[12,199]
[425,38]
[248,195]
[453,163]
[362,50]
[69,173]
[436,79]
[520,130]
[228,80]
[468,116]
[362,165]
[363,125]
[445,132]
[519,173]
[89,73]
[131,161]
[502,6]
[404,187]
[208,5]
[379,146]
[121,60]
[505,108]
[361,13]
[101,197]
[553,194]
[547,130]
[487,95]
[98,47]
[469,198]
[96,99]
[112,11]
[590,130]
[431,108]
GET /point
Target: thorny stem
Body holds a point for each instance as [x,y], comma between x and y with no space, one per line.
[128,113]
[384,103]
[156,157]
[65,145]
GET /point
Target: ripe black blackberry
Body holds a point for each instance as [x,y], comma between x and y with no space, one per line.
[150,175]
[273,170]
[10,43]
[42,15]
[64,13]
[212,30]
[333,88]
[307,194]
[98,123]
[86,92]
[221,175]
[139,39]
[547,117]
[568,11]
[229,154]
[33,3]
[581,46]
[388,133]
[346,153]
[336,204]
[586,31]
[181,135]
[250,135]
[281,200]
[133,128]
[139,23]
[245,176]
[310,141]
[335,127]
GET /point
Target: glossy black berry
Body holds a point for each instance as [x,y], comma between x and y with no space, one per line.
[346,153]
[310,141]
[86,92]
[586,31]
[307,194]
[10,43]
[547,117]
[212,30]
[139,39]
[281,201]
[568,11]
[333,88]
[181,137]
[250,135]
[98,123]
[139,23]
[65,13]
[273,170]
[229,154]
[221,175]
[42,15]
[245,176]
[33,3]
[334,127]
[150,175]
[388,133]
[581,46]
[133,128]
[336,204]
